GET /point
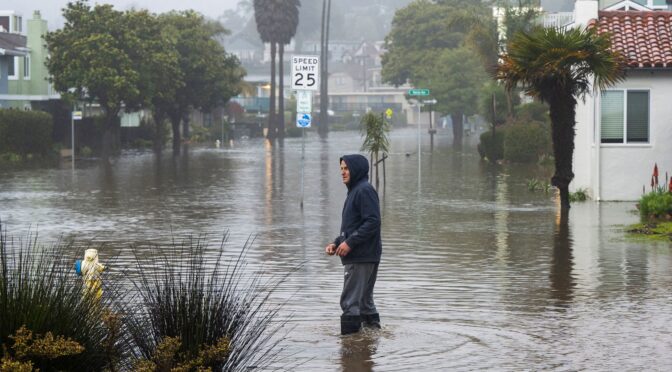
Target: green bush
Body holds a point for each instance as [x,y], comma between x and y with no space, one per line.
[491,148]
[533,111]
[25,132]
[525,142]
[656,204]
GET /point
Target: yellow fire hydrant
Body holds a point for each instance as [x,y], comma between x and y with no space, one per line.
[91,270]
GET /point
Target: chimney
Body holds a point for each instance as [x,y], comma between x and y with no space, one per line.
[584,11]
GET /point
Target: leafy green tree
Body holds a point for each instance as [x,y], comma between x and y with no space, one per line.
[558,67]
[161,74]
[92,58]
[210,76]
[426,48]
[455,78]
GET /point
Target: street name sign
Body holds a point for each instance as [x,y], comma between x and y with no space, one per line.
[76,115]
[304,101]
[303,120]
[305,72]
[418,92]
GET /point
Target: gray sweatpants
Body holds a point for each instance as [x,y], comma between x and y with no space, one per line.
[358,282]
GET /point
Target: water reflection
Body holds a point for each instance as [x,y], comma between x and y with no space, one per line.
[357,351]
[562,282]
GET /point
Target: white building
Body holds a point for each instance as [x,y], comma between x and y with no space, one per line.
[622,132]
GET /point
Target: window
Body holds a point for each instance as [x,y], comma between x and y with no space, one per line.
[12,72]
[625,116]
[26,68]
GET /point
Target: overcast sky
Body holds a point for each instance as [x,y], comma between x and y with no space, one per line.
[51,9]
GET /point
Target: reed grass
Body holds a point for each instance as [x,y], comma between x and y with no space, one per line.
[200,300]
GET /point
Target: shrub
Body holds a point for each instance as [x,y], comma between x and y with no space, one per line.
[525,142]
[197,304]
[491,148]
[25,132]
[579,195]
[656,204]
[533,111]
[39,292]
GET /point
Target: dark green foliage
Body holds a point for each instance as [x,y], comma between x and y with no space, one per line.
[525,142]
[202,299]
[492,147]
[533,111]
[25,132]
[656,204]
[39,290]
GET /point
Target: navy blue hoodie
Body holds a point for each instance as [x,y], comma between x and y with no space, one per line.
[360,224]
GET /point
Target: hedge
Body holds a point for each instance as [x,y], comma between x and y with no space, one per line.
[25,132]
[524,142]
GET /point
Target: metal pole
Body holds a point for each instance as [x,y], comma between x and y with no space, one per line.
[72,137]
[303,156]
[419,149]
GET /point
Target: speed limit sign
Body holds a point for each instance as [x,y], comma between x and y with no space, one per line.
[305,72]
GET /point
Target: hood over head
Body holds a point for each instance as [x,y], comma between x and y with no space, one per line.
[358,166]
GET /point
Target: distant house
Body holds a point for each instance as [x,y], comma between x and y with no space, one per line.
[623,131]
[27,82]
[12,48]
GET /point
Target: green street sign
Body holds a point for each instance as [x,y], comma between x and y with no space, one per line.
[418,92]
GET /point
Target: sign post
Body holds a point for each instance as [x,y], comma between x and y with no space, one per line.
[76,115]
[305,80]
[419,92]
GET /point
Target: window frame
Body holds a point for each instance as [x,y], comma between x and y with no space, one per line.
[15,74]
[26,67]
[624,140]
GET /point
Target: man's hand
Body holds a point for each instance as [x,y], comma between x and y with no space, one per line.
[330,249]
[343,249]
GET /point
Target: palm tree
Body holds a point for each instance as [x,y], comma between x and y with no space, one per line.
[557,67]
[277,21]
[324,69]
[286,29]
[265,18]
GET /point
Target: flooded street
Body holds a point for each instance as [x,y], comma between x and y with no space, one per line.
[477,273]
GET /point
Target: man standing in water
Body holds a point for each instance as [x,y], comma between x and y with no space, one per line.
[359,246]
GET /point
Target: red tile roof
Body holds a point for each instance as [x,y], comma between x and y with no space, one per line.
[644,38]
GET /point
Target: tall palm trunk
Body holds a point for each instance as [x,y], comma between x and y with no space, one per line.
[563,113]
[271,107]
[281,92]
[323,128]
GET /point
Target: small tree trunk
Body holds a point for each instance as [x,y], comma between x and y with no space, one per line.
[185,126]
[377,183]
[175,124]
[159,130]
[458,128]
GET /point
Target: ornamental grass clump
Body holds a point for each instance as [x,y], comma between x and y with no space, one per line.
[199,310]
[45,320]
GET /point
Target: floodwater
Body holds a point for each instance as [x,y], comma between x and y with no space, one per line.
[478,273]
